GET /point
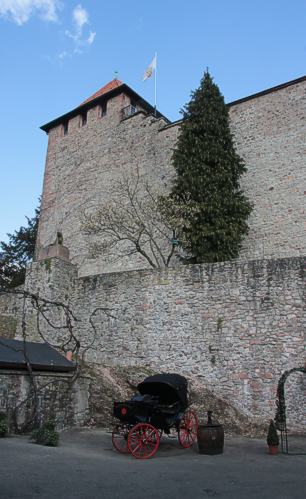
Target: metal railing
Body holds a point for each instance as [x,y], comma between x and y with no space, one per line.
[129,111]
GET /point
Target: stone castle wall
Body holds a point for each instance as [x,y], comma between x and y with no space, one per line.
[58,399]
[231,328]
[269,132]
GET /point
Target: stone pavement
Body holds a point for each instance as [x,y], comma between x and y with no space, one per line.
[84,466]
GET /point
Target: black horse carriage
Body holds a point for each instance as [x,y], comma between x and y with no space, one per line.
[160,406]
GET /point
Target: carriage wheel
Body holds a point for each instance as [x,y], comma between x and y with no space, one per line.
[188,429]
[143,441]
[120,438]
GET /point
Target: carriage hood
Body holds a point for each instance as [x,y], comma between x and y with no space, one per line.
[169,387]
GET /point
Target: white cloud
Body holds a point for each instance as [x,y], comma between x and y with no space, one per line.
[91,38]
[63,55]
[71,35]
[20,11]
[80,18]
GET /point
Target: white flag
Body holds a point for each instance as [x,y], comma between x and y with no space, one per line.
[149,71]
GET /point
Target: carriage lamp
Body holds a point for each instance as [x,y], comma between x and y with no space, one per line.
[174,241]
[123,411]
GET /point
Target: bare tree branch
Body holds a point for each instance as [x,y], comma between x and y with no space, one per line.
[68,342]
[133,221]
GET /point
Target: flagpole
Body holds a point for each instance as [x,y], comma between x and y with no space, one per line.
[155,103]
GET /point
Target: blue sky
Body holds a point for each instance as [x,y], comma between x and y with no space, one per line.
[54,54]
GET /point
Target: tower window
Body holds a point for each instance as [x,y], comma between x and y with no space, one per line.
[65,128]
[133,107]
[83,119]
[102,110]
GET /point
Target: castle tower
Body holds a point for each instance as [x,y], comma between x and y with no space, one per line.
[112,132]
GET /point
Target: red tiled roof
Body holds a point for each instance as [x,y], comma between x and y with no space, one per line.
[109,86]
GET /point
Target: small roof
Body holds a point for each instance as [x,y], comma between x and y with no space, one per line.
[107,88]
[42,357]
[268,90]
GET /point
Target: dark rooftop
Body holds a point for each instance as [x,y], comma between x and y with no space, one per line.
[110,90]
[42,357]
[115,87]
[253,96]
[268,90]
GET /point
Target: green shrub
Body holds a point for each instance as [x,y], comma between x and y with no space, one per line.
[3,425]
[272,436]
[3,429]
[46,434]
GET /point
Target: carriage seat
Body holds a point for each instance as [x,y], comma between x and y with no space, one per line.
[149,399]
[170,408]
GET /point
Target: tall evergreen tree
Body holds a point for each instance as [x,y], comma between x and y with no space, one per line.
[208,179]
[15,254]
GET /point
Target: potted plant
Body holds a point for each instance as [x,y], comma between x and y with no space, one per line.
[46,434]
[3,425]
[272,438]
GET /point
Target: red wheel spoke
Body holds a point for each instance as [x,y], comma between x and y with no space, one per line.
[143,441]
[149,437]
[137,447]
[188,429]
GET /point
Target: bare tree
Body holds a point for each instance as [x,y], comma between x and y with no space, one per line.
[135,220]
[61,324]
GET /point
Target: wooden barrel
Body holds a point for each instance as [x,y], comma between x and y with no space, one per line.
[210,438]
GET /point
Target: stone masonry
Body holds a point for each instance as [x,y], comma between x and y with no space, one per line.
[231,328]
[57,400]
[269,130]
